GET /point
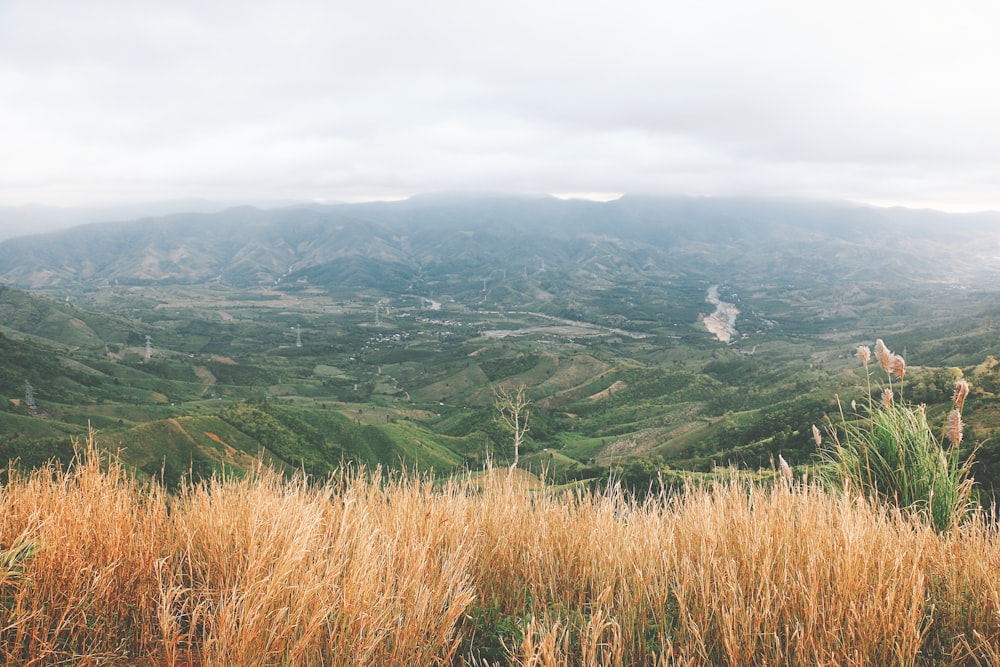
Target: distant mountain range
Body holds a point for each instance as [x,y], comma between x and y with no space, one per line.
[445,245]
[34,218]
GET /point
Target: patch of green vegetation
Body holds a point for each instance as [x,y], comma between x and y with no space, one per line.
[320,441]
[505,367]
[582,449]
[886,448]
[185,447]
[417,389]
[60,323]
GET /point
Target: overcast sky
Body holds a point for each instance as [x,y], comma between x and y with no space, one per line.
[118,101]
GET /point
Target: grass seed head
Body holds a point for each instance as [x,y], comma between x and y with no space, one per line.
[961,393]
[786,470]
[954,431]
[884,356]
[864,353]
[898,366]
[887,398]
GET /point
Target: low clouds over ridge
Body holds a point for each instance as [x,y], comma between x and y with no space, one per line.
[884,102]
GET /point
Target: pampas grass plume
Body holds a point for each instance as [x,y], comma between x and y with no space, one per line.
[864,353]
[898,366]
[887,398]
[961,392]
[954,432]
[786,470]
[884,356]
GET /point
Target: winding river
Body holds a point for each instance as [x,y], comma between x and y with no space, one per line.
[722,322]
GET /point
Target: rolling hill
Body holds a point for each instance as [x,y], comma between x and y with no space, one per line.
[375,333]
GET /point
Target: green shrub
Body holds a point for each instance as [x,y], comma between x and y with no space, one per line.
[888,451]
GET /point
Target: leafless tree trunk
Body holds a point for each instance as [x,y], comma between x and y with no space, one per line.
[512,409]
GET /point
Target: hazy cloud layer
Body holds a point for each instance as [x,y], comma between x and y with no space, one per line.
[888,102]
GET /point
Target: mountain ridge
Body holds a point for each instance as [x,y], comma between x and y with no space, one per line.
[247,246]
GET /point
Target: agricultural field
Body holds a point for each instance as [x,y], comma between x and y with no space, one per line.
[310,380]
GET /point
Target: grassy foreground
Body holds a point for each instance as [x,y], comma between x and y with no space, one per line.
[99,568]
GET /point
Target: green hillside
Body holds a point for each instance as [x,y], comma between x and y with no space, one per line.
[377,336]
[198,446]
[61,324]
[416,391]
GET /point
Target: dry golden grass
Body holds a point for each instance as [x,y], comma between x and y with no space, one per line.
[363,571]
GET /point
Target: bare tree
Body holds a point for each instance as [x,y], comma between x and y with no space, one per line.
[512,409]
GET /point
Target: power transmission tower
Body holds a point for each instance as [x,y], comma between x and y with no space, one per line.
[149,347]
[298,335]
[29,395]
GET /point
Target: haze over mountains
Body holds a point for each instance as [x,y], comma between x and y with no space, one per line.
[443,242]
[35,218]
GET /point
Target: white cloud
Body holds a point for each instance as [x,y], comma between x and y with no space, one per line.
[875,101]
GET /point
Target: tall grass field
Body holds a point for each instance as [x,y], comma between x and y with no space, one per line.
[98,568]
